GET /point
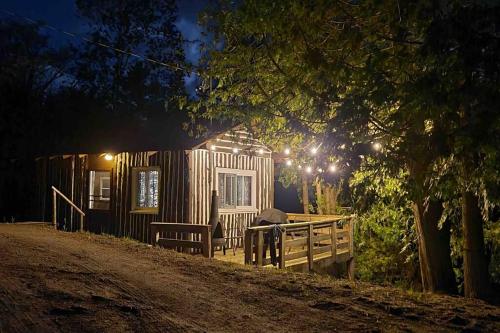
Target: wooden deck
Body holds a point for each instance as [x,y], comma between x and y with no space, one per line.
[307,243]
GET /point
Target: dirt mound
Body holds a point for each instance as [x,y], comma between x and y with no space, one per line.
[54,281]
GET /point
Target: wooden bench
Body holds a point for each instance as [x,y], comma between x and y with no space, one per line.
[182,232]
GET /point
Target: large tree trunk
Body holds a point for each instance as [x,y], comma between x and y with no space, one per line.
[434,248]
[476,277]
[305,194]
[320,200]
[433,242]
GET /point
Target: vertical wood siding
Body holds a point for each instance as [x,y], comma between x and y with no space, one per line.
[69,175]
[172,198]
[203,164]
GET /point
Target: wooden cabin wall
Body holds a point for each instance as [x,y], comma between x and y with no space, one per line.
[173,191]
[68,174]
[203,164]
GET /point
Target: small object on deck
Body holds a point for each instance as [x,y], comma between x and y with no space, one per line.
[271,216]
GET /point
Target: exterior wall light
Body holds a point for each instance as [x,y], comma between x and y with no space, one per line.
[108,157]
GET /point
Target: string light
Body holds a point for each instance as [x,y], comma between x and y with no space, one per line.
[287,151]
[320,170]
[377,146]
[308,169]
[299,167]
[332,168]
[212,147]
[261,151]
[289,163]
[314,150]
[235,150]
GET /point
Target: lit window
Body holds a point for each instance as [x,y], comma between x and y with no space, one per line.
[145,190]
[99,189]
[236,189]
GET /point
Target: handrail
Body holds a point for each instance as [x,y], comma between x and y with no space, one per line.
[303,224]
[55,191]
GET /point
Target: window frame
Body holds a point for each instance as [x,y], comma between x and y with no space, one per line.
[253,195]
[143,210]
[107,188]
[89,189]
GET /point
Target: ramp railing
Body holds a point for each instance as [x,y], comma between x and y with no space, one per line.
[56,192]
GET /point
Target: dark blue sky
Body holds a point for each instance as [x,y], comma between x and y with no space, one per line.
[62,14]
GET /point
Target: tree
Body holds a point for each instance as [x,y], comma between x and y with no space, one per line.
[144,88]
[29,72]
[351,76]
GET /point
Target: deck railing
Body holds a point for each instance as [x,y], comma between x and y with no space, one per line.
[320,237]
[176,235]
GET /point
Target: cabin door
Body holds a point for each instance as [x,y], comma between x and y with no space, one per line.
[99,201]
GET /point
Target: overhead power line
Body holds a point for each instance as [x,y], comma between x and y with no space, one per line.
[87,40]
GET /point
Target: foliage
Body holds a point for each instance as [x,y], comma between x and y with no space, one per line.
[126,83]
[385,237]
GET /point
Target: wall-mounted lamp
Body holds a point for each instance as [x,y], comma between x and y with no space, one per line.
[108,157]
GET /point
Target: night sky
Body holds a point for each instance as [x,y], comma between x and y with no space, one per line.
[62,14]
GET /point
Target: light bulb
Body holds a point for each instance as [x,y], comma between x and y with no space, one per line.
[377,146]
[108,157]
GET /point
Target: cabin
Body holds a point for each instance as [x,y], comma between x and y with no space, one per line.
[123,193]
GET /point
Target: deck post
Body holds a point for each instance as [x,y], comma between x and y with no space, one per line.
[282,239]
[248,247]
[54,209]
[310,243]
[206,239]
[350,268]
[334,241]
[260,248]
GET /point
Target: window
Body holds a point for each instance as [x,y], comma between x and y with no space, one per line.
[146,182]
[99,189]
[236,189]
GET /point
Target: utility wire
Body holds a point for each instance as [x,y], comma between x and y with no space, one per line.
[73,35]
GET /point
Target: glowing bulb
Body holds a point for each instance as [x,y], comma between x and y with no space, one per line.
[287,151]
[235,150]
[212,147]
[300,167]
[309,169]
[342,146]
[261,151]
[320,170]
[332,168]
[289,162]
[377,146]
[108,157]
[314,150]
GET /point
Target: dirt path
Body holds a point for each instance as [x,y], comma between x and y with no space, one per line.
[54,281]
